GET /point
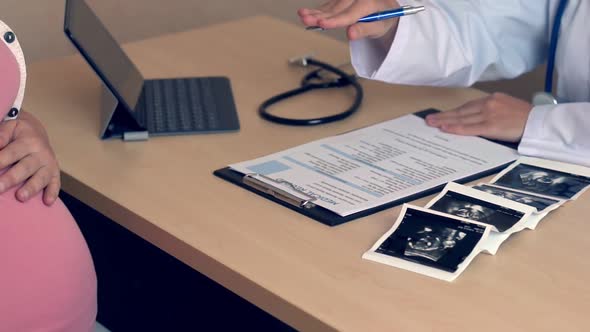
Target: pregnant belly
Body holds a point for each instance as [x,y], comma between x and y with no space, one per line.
[47,279]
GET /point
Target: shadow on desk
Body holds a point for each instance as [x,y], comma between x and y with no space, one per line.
[141,288]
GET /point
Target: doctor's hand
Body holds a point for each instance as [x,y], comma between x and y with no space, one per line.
[344,14]
[498,116]
[25,149]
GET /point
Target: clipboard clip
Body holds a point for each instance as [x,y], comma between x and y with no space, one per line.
[306,201]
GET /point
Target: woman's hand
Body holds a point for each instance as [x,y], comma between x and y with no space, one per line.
[345,13]
[25,148]
[498,116]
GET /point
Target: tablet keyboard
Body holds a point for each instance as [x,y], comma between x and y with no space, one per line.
[187,105]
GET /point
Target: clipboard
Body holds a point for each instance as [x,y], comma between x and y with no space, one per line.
[303,204]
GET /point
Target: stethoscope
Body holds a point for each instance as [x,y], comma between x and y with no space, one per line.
[313,81]
[547,97]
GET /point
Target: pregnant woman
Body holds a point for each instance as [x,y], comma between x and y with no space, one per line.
[47,279]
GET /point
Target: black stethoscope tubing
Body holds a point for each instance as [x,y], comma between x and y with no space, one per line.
[307,84]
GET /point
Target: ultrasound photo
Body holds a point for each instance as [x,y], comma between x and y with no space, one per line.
[433,240]
[539,203]
[478,210]
[543,181]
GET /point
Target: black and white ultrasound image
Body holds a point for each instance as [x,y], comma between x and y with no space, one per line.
[477,210]
[543,181]
[539,203]
[432,240]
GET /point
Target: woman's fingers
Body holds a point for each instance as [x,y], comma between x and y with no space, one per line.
[19,172]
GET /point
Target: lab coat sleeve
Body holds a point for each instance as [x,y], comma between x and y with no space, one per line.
[559,132]
[459,42]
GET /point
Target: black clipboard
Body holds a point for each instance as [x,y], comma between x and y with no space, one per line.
[325,216]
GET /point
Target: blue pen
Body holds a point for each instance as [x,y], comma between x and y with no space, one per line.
[383,15]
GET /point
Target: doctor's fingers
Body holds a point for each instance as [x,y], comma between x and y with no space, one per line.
[469,108]
[6,132]
[357,9]
[459,120]
[310,16]
[481,128]
[495,125]
[503,117]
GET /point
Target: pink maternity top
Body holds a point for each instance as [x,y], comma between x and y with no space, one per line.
[47,279]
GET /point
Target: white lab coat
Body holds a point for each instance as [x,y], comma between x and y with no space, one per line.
[459,42]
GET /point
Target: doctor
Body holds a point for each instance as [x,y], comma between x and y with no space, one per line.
[457,43]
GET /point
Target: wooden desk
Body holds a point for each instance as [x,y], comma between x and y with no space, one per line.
[307,274]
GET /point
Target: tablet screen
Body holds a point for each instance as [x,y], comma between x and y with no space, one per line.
[103,53]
